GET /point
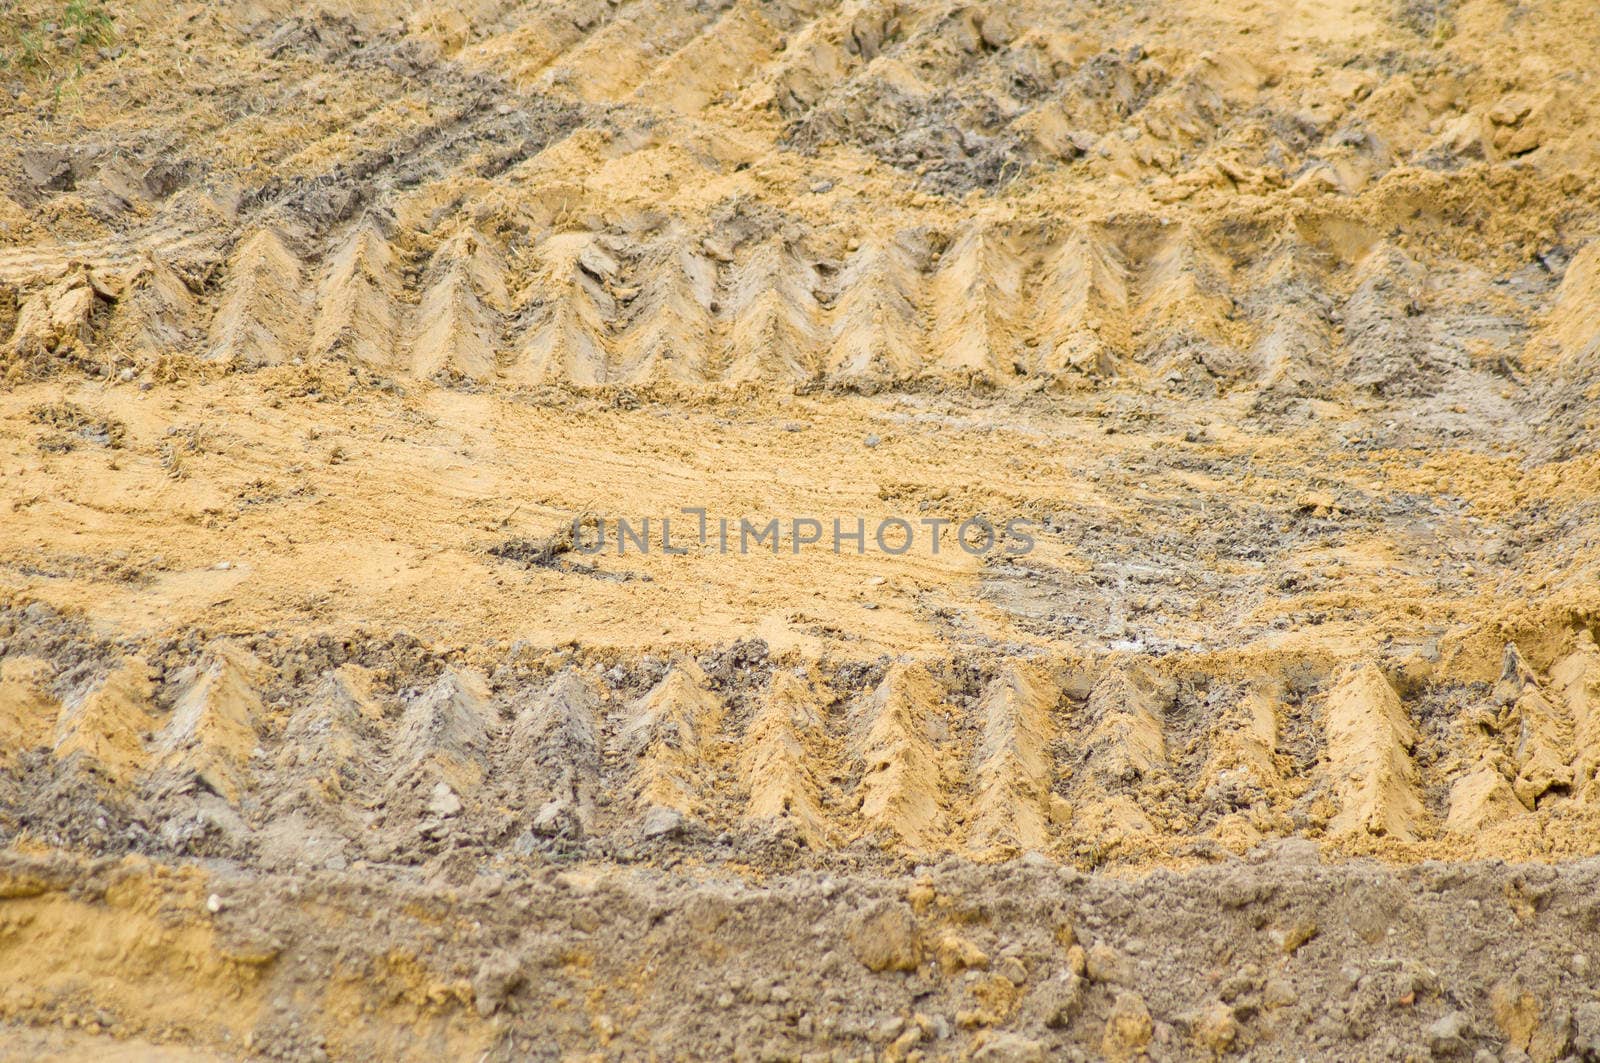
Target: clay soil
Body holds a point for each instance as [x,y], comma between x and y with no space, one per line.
[332,334]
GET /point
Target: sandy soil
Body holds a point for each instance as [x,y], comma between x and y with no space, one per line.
[322,327]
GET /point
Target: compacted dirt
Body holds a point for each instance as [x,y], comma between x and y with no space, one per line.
[1262,336]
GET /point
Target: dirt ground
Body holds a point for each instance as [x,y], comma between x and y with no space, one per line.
[332,335]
